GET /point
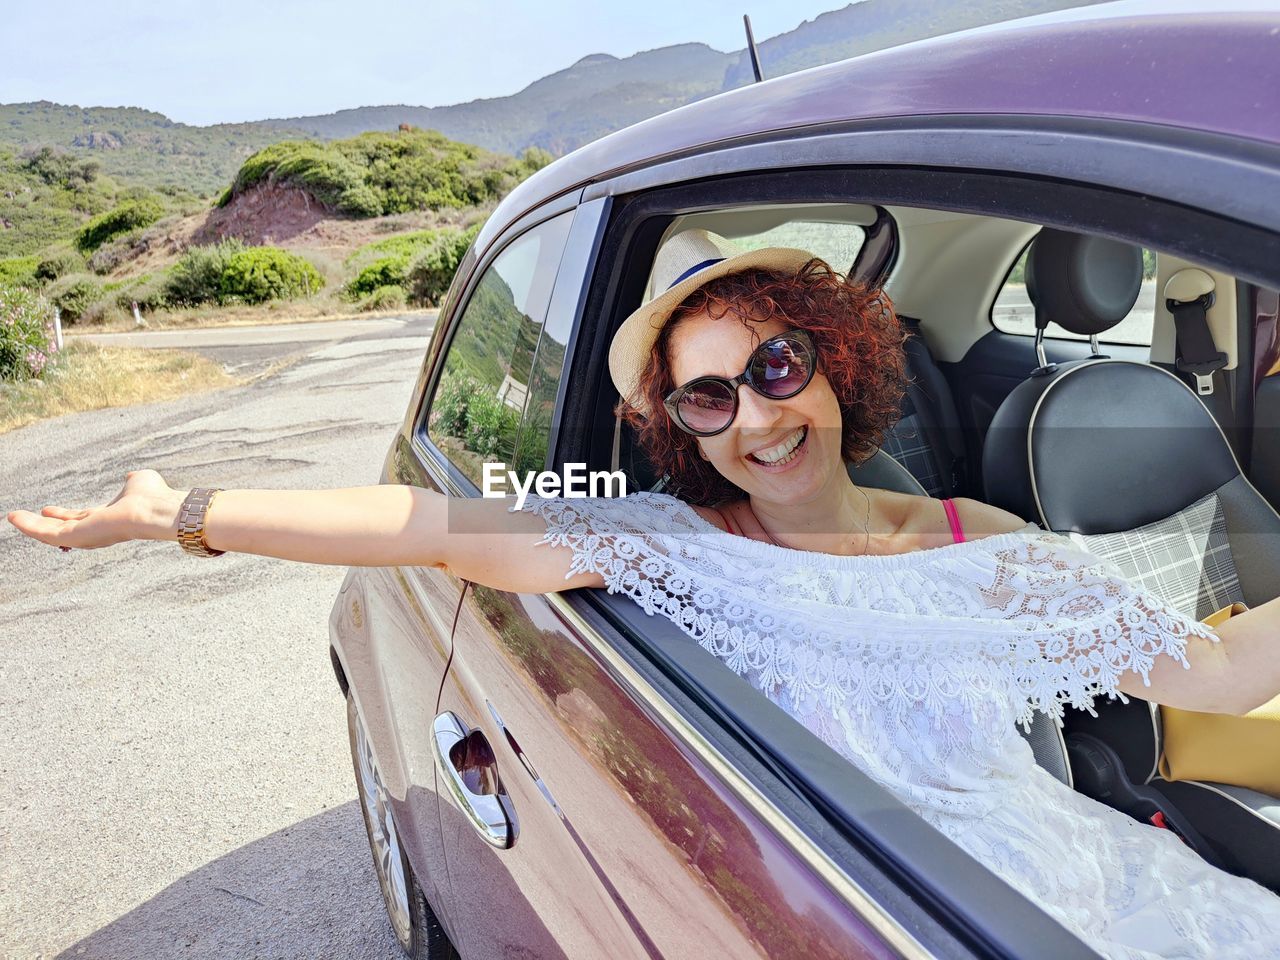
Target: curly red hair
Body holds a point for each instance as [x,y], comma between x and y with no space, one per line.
[859,341]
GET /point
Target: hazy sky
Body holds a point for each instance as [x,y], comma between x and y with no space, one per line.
[208,62]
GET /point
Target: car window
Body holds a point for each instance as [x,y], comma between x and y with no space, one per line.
[836,243]
[1013,311]
[478,403]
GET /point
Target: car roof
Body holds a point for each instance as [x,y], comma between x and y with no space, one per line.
[1176,64]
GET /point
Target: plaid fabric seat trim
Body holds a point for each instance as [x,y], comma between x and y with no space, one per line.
[1184,558]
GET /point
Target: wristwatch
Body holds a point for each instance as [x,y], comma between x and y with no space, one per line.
[191,522]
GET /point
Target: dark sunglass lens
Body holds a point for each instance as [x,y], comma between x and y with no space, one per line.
[781,366]
[706,407]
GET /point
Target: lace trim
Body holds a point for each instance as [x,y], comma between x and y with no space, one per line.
[852,657]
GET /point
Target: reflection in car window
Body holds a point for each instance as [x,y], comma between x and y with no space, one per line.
[475,414]
[1013,311]
[548,364]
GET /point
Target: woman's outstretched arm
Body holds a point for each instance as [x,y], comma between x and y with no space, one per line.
[376,526]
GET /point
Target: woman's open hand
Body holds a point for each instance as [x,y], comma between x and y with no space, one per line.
[144,509]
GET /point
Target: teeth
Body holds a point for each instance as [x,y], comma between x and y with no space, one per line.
[783,452]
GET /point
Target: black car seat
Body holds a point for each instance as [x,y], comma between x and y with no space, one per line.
[927,438]
[1125,458]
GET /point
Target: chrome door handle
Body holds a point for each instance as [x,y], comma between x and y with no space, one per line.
[467,765]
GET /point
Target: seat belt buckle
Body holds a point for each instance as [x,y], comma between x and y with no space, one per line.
[1202,371]
[1157,819]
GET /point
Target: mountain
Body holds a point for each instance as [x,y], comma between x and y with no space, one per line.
[137,145]
[560,112]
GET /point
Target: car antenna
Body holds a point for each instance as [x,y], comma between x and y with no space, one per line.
[751,48]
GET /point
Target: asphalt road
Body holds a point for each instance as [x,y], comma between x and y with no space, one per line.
[174,773]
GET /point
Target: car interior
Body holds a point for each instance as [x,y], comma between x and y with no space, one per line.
[1112,393]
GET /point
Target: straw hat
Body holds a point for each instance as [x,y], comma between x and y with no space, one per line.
[685,263]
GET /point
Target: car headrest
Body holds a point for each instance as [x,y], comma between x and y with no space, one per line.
[1084,284]
[1098,446]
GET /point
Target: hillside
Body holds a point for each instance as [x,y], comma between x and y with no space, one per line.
[142,146]
[595,96]
[372,222]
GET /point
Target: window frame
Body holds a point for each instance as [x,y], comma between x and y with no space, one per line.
[635,227]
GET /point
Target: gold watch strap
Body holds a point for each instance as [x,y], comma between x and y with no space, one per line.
[191,522]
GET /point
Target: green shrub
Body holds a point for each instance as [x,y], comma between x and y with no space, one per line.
[60,169]
[130,215]
[384,298]
[26,333]
[432,270]
[387,272]
[149,292]
[197,276]
[379,173]
[327,175]
[260,274]
[491,426]
[19,271]
[402,245]
[116,251]
[449,409]
[74,294]
[60,263]
[463,409]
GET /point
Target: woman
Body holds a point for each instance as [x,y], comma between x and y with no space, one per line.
[909,634]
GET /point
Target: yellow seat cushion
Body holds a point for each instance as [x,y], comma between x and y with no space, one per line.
[1242,751]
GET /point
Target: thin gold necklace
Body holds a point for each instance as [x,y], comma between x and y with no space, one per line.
[866,525]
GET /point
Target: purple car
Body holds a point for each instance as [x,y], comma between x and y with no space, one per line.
[1078,218]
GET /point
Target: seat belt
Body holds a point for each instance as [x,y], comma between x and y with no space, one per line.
[1189,294]
[939,450]
[942,447]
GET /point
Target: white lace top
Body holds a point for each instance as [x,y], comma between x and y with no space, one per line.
[917,666]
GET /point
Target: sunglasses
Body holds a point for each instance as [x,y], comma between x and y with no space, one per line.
[777,369]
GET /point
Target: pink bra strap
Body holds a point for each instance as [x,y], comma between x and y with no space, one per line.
[957,531]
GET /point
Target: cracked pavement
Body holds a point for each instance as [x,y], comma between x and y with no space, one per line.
[175,778]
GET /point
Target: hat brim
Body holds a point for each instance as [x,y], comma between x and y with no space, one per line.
[633,343]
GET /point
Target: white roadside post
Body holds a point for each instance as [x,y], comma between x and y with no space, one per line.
[57,327]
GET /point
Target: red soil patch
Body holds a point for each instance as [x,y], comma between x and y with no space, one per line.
[265,214]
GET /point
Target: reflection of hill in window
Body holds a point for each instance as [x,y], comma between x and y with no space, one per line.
[536,432]
[495,337]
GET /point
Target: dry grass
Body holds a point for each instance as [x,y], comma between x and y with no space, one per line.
[84,376]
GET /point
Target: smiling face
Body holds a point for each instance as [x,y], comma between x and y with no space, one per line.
[780,451]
